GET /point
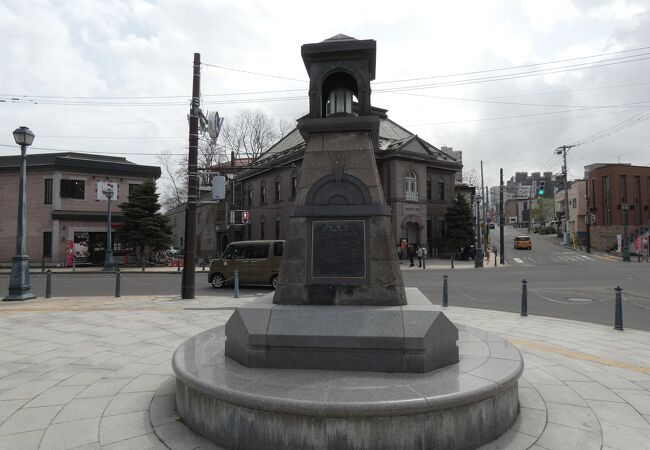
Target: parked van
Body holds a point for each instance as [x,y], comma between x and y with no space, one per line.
[258,262]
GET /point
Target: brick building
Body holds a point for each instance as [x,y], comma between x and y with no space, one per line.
[612,189]
[65,205]
[418,180]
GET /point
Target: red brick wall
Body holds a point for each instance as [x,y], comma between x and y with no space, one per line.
[639,212]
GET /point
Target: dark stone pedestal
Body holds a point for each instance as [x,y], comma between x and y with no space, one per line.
[409,338]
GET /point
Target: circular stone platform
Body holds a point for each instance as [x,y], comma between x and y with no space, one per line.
[463,405]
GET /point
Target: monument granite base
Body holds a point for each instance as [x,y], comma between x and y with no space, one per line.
[407,338]
[462,405]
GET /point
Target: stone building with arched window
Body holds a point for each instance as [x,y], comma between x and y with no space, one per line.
[417,178]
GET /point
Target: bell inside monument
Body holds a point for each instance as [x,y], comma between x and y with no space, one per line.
[339,101]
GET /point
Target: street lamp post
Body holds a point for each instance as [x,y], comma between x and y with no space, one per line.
[626,240]
[478,260]
[19,285]
[108,254]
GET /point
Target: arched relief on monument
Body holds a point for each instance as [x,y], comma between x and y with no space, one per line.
[338,195]
[338,189]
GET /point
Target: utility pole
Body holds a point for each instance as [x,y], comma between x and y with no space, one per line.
[484,203]
[588,216]
[188,281]
[502,220]
[561,150]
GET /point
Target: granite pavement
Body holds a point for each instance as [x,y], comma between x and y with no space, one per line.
[95,373]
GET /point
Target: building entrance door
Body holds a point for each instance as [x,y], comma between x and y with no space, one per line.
[413,232]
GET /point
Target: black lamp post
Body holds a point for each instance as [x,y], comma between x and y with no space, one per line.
[478,260]
[19,286]
[108,254]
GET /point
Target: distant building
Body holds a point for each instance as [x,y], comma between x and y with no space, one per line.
[617,192]
[65,206]
[534,182]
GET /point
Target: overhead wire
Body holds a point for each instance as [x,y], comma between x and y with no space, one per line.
[92,100]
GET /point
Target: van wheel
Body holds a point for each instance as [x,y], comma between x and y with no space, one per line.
[274,281]
[218,280]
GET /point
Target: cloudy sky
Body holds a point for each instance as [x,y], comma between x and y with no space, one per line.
[506,82]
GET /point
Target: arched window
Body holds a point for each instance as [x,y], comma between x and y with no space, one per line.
[249,196]
[263,193]
[278,190]
[294,184]
[411,186]
[262,225]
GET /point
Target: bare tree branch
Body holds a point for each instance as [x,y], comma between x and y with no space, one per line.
[174,173]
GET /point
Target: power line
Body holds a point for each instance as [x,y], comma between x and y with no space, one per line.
[627,123]
[512,76]
[516,67]
[254,73]
[592,64]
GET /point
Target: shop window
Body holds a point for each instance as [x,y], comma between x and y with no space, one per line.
[73,189]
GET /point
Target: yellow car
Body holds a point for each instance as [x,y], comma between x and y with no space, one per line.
[523,242]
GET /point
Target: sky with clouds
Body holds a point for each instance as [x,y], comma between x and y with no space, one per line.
[506,82]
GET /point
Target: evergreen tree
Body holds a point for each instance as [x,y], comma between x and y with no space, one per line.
[460,224]
[144,225]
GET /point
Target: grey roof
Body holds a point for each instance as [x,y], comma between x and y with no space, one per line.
[392,137]
[80,162]
[341,37]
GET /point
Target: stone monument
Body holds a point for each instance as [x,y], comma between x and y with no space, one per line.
[342,356]
[340,296]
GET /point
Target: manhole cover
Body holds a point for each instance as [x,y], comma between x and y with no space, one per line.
[579,299]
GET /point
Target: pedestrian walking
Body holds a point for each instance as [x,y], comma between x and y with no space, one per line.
[487,254]
[419,253]
[410,252]
[424,257]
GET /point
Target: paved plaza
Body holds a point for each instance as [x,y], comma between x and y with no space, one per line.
[95,372]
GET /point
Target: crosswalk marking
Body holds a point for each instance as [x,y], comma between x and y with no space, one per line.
[517,260]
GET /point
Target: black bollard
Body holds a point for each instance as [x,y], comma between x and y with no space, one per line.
[445,292]
[74,263]
[524,298]
[236,283]
[117,283]
[43,265]
[202,264]
[452,261]
[48,284]
[178,261]
[618,312]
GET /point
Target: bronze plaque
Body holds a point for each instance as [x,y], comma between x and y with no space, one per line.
[338,249]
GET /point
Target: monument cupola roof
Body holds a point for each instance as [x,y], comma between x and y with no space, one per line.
[340,70]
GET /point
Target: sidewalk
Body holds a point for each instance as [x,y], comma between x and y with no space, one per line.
[99,269]
[445,264]
[95,373]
